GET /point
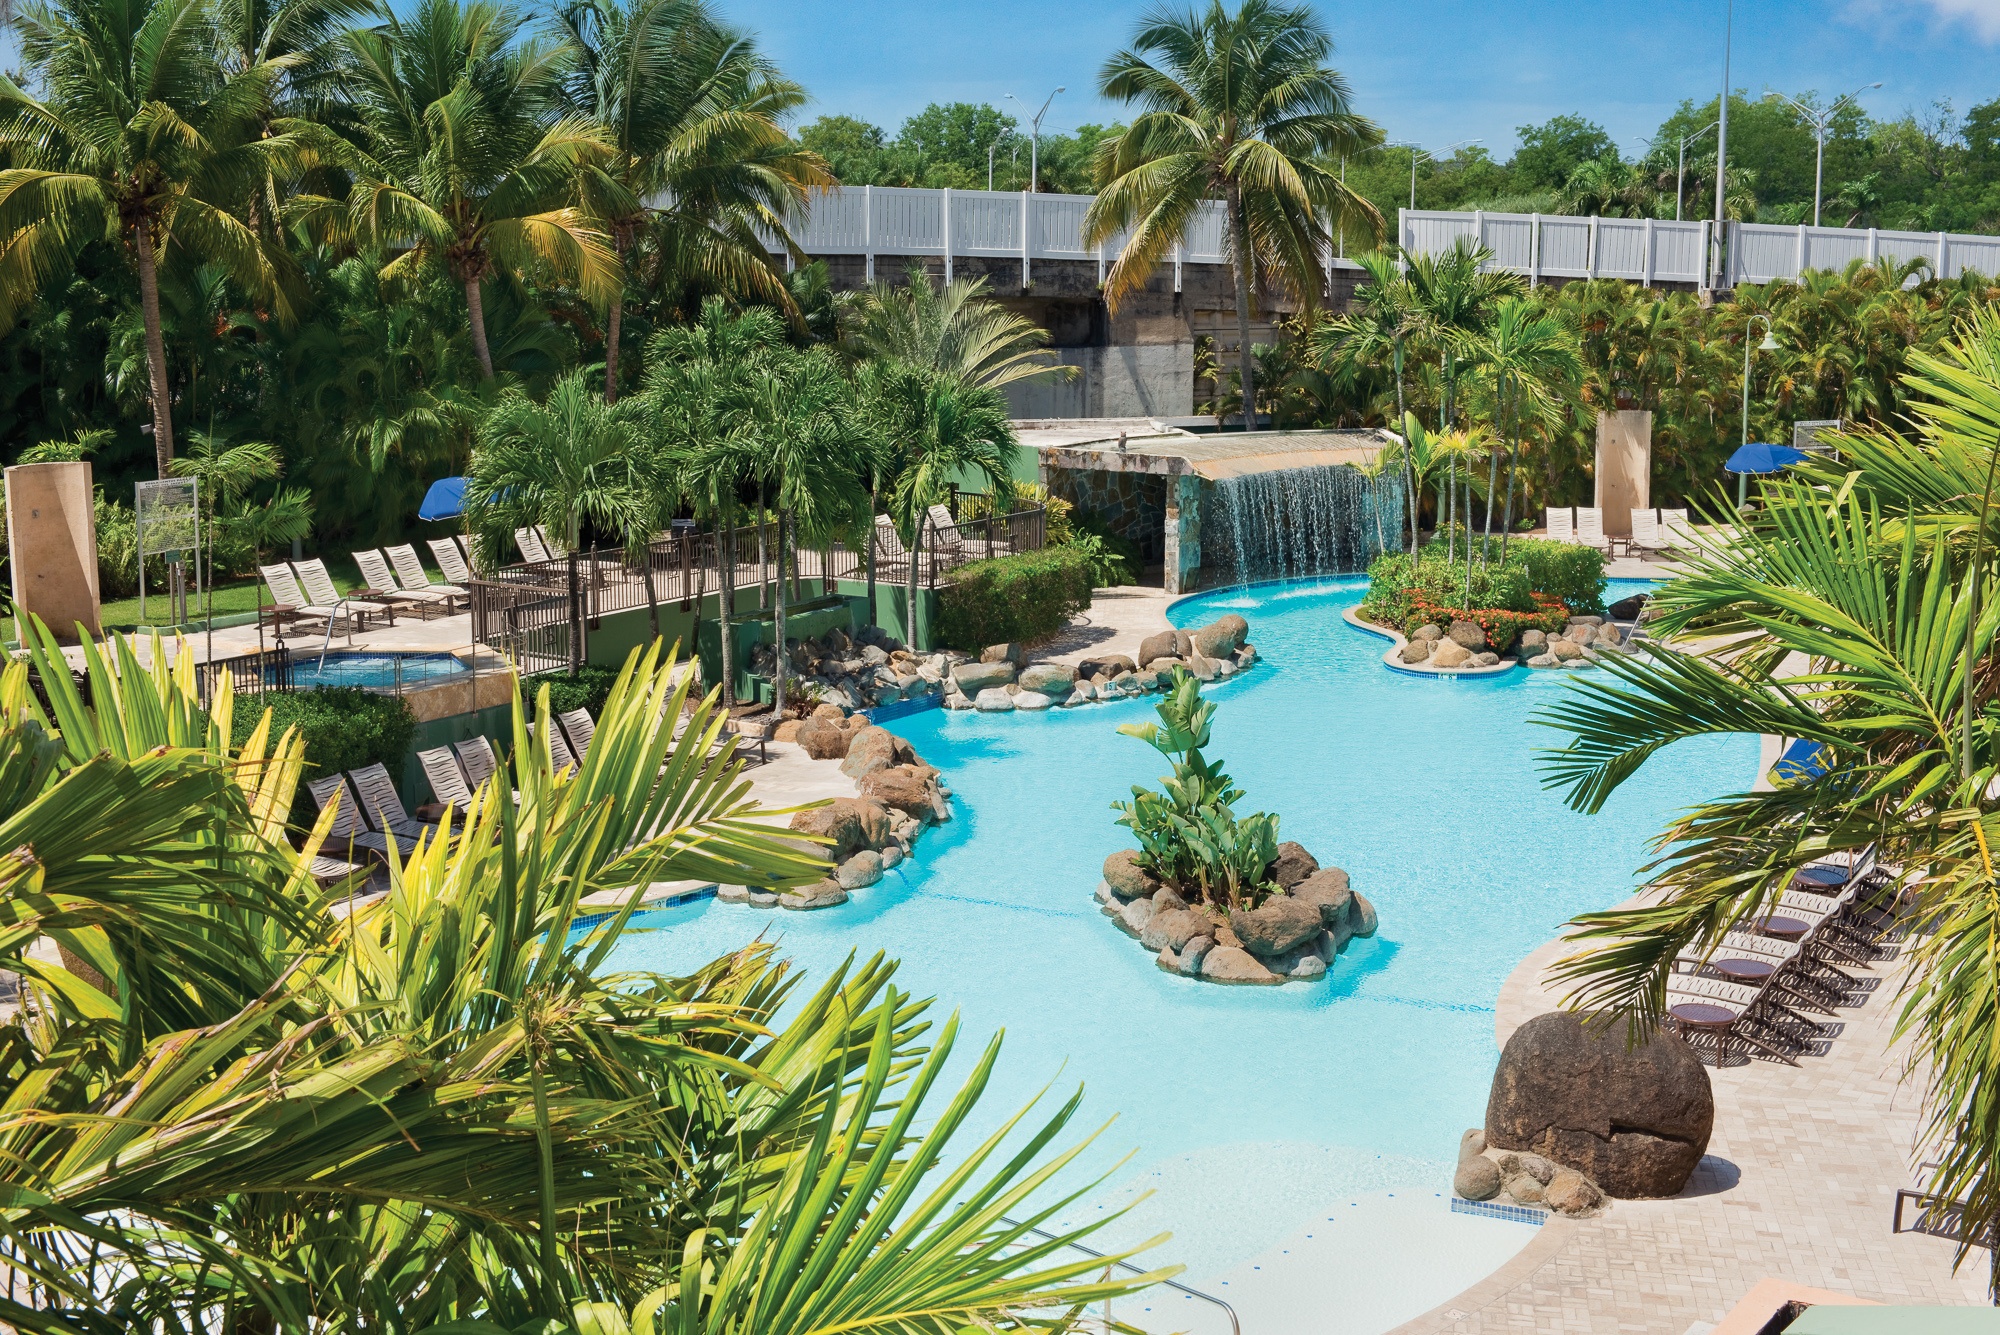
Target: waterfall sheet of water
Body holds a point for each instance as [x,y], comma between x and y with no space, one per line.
[1298,523]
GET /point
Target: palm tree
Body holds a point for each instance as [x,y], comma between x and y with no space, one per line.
[561,464]
[1240,106]
[956,330]
[1420,458]
[935,431]
[811,457]
[463,162]
[144,136]
[1380,322]
[1858,613]
[699,151]
[696,392]
[1532,359]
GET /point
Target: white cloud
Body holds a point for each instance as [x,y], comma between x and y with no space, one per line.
[1982,16]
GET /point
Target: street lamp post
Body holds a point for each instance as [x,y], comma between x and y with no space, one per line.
[1680,166]
[1770,344]
[1820,121]
[1035,139]
[1415,149]
[1722,135]
[1004,134]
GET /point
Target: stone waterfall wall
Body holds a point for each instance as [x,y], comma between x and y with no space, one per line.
[1297,523]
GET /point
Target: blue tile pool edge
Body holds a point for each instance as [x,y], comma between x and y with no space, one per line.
[587,921]
[1518,1214]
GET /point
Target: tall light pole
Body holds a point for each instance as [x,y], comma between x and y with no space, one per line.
[1004,134]
[1415,149]
[1035,140]
[1770,344]
[1820,121]
[1722,135]
[1681,165]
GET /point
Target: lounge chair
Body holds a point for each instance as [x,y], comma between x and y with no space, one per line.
[415,581]
[332,871]
[1678,532]
[319,587]
[580,727]
[559,753]
[554,548]
[530,542]
[1590,528]
[1646,535]
[1723,1014]
[947,539]
[476,755]
[381,582]
[890,553]
[346,834]
[1562,524]
[447,779]
[451,560]
[384,805]
[293,608]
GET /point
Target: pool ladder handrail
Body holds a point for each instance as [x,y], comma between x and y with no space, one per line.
[1235,1327]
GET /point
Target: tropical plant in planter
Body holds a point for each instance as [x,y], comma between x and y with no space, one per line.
[1189,834]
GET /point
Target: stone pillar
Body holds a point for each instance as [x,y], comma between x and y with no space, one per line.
[1624,468]
[1183,558]
[52,545]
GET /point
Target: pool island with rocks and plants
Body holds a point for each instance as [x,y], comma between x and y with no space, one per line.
[1214,893]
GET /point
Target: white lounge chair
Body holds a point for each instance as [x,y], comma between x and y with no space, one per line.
[413,579]
[319,587]
[345,834]
[1646,535]
[384,805]
[1590,528]
[530,542]
[476,755]
[581,728]
[447,778]
[381,582]
[285,591]
[1561,523]
[890,553]
[451,560]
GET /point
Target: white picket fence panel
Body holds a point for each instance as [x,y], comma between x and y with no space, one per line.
[1770,253]
[1548,246]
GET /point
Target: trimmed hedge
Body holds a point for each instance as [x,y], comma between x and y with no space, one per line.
[588,689]
[345,727]
[1563,570]
[1012,598]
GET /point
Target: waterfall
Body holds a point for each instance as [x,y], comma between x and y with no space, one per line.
[1297,523]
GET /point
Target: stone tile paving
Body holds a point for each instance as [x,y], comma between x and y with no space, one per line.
[1800,1180]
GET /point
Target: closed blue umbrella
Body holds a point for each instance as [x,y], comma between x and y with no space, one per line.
[445,499]
[1758,457]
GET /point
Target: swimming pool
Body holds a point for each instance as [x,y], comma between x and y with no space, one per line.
[373,671]
[1299,1139]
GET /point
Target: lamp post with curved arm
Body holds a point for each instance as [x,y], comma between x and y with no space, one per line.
[1770,344]
[1820,121]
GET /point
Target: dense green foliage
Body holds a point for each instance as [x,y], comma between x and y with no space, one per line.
[343,727]
[1018,599]
[1406,593]
[588,689]
[1188,831]
[1565,570]
[945,144]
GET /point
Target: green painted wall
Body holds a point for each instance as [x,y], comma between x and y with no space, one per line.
[495,722]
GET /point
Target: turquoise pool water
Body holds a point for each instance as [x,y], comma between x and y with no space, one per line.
[374,671]
[1257,1112]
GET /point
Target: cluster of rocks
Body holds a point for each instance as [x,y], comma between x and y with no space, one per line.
[1003,679]
[1581,1114]
[1579,644]
[860,670]
[1294,934]
[900,797]
[1460,645]
[1522,1179]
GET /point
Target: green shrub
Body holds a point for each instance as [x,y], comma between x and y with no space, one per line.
[1012,598]
[588,689]
[1393,589]
[344,727]
[1114,559]
[1563,570]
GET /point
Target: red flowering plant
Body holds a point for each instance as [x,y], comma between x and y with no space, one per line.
[1502,625]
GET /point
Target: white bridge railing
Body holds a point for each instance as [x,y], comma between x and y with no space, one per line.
[1650,250]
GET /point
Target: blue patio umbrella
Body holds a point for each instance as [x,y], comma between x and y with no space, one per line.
[1758,457]
[445,499]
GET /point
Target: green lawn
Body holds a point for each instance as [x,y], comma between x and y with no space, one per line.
[232,597]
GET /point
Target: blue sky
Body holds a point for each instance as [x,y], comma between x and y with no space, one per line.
[1436,71]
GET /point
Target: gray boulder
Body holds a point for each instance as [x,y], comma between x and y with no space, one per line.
[1162,645]
[1049,678]
[1544,661]
[1524,1190]
[1164,666]
[732,894]
[1204,669]
[1427,632]
[1309,966]
[972,678]
[1216,640]
[1012,654]
[1362,915]
[1032,700]
[1450,654]
[863,869]
[1172,928]
[871,749]
[819,895]
[1192,953]
[1565,650]
[1468,633]
[993,700]
[1327,891]
[1472,1142]
[1533,639]
[1636,1121]
[1477,1178]
[1416,651]
[1136,915]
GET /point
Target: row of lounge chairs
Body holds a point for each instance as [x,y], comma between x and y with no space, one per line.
[1758,989]
[949,545]
[1654,531]
[304,594]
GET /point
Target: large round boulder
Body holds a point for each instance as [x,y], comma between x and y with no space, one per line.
[1276,925]
[852,823]
[1049,678]
[905,788]
[972,678]
[1327,891]
[1468,633]
[823,739]
[871,749]
[1127,879]
[1634,1120]
[1229,964]
[1163,645]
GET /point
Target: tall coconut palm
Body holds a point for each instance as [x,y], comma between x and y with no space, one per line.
[1240,106]
[956,330]
[1533,362]
[142,136]
[694,116]
[696,393]
[812,460]
[1379,324]
[1454,297]
[560,464]
[464,161]
[935,431]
